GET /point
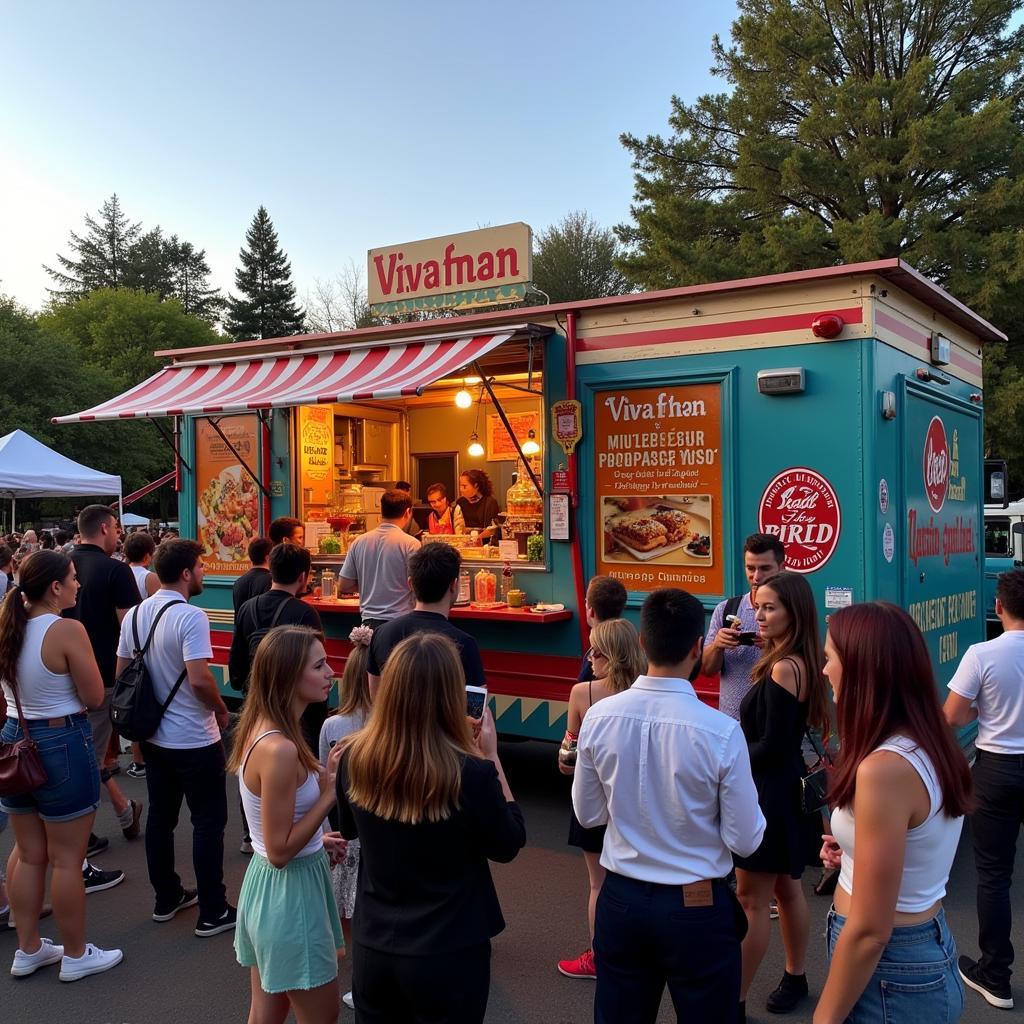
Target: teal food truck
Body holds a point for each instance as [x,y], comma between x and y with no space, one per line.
[641,436]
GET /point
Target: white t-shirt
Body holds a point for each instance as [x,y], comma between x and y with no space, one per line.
[141,574]
[182,634]
[992,675]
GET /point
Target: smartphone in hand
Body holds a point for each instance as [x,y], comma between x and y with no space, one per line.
[476,701]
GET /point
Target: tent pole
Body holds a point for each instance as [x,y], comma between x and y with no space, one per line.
[12,513]
[120,507]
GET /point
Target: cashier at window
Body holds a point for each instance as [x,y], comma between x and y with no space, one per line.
[444,517]
[478,504]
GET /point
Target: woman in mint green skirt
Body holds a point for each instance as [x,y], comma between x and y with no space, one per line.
[288,931]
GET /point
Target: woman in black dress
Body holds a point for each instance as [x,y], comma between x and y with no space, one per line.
[787,695]
[478,504]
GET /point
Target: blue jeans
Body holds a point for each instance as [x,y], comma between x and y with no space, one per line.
[72,787]
[916,978]
[645,937]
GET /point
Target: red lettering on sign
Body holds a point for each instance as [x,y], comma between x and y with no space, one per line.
[800,507]
[936,464]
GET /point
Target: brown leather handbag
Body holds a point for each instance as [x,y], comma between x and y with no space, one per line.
[21,765]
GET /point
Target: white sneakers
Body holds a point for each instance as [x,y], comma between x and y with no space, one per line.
[348,1000]
[93,961]
[28,963]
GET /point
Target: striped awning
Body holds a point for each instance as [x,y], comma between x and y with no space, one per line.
[358,372]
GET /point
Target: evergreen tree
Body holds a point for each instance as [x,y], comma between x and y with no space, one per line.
[101,258]
[189,275]
[267,307]
[854,130]
[575,259]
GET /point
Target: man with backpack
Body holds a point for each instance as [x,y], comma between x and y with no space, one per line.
[290,567]
[185,755]
[726,649]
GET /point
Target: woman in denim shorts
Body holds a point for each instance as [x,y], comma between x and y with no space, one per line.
[899,792]
[46,662]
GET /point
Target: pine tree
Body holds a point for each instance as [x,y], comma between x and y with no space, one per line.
[267,307]
[101,258]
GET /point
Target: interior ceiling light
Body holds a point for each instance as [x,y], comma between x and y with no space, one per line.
[472,381]
[530,446]
[476,449]
[463,399]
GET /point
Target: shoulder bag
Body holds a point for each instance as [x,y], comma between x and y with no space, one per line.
[21,765]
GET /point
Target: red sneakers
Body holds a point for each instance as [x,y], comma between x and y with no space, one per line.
[581,967]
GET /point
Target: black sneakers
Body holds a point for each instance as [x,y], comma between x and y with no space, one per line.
[186,898]
[994,994]
[96,880]
[97,844]
[224,923]
[790,991]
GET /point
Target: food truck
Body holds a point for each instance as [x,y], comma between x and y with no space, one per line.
[641,436]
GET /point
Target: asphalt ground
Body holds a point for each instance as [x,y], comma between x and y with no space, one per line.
[170,975]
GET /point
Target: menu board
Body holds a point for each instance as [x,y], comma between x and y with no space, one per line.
[657,458]
[228,498]
[501,447]
[316,454]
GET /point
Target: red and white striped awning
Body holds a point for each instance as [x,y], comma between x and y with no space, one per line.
[357,372]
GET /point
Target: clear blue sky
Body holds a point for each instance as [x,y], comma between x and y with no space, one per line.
[355,124]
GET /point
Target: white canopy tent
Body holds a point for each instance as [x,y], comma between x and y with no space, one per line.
[28,469]
[131,519]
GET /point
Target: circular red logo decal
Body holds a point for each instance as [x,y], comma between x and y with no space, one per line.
[936,464]
[800,507]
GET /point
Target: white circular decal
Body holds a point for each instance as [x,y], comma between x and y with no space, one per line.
[801,508]
[888,543]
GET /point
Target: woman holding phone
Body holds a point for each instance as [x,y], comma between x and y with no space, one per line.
[901,786]
[288,931]
[430,807]
[616,659]
[787,694]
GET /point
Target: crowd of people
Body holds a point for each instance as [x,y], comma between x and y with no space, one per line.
[371,828]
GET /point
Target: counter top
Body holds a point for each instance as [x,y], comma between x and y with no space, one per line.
[351,606]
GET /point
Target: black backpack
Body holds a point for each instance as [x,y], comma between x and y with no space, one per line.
[134,709]
[257,635]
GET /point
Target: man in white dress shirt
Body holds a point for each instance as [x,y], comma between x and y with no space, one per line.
[671,778]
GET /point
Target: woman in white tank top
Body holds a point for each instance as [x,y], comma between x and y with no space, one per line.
[288,931]
[47,665]
[899,792]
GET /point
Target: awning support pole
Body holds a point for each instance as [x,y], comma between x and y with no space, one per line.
[234,451]
[171,441]
[508,426]
[265,442]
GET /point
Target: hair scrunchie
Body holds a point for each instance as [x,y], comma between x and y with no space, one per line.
[361,636]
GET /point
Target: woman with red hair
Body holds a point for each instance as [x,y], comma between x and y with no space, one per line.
[900,788]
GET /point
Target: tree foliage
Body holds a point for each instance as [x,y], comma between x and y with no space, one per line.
[114,252]
[339,303]
[852,130]
[266,307]
[119,329]
[47,374]
[576,259]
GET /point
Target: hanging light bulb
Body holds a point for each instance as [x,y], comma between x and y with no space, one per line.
[476,449]
[463,399]
[530,446]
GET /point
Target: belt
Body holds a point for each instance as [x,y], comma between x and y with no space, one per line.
[1017,759]
[64,721]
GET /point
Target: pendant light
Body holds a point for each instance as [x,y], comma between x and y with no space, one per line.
[530,446]
[463,399]
[476,449]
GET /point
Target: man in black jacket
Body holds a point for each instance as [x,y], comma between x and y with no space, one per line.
[289,573]
[257,580]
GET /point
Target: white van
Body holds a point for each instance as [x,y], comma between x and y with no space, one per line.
[1004,548]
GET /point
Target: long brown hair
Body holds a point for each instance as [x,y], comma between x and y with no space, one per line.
[277,668]
[619,642]
[888,688]
[354,688]
[406,765]
[802,640]
[36,574]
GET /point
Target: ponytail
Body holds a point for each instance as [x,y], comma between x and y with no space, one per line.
[37,573]
[13,618]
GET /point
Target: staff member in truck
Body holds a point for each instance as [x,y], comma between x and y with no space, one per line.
[989,686]
[444,516]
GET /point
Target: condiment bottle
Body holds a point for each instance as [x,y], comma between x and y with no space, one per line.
[507,582]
